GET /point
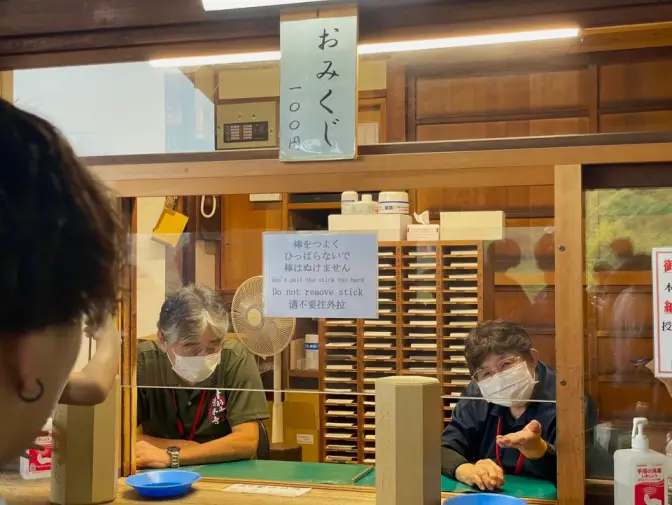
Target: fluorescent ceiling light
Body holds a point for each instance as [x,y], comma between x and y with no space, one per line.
[218,59]
[222,5]
[389,47]
[475,40]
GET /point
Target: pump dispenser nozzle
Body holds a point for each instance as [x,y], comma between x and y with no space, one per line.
[640,442]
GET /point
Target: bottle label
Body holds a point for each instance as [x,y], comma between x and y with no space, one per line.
[40,460]
[650,485]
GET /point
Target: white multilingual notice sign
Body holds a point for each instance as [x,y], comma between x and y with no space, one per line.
[662,311]
[318,89]
[320,275]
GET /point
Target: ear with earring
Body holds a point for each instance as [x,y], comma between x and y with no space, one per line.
[31,397]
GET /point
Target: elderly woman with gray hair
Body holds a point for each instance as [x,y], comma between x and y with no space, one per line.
[208,402]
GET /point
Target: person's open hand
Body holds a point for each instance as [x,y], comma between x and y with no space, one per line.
[485,474]
[528,441]
[148,456]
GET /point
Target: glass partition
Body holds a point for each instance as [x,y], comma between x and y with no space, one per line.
[196,373]
[139,108]
[431,292]
[622,226]
[136,108]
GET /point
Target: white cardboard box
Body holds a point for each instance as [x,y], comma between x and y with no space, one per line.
[478,225]
[422,232]
[389,227]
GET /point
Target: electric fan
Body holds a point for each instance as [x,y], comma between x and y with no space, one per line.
[263,336]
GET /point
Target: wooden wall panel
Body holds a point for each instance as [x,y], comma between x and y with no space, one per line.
[635,95]
[611,92]
[545,346]
[524,201]
[516,101]
[243,223]
[501,129]
[519,92]
[630,81]
[532,308]
[660,120]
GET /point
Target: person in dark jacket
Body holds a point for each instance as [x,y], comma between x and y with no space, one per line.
[505,421]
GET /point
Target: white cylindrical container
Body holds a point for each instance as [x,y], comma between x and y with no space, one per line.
[312,347]
[367,205]
[640,474]
[38,463]
[393,202]
[348,199]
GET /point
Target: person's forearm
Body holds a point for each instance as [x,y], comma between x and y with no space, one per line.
[451,460]
[233,447]
[93,384]
[165,443]
[535,450]
[547,465]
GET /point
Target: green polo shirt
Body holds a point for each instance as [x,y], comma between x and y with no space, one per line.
[220,409]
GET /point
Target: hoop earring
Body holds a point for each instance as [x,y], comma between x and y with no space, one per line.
[32,399]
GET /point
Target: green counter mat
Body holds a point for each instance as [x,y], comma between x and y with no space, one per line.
[342,474]
[282,471]
[519,487]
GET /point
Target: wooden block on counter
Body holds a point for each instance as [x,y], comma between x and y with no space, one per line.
[408,441]
[85,468]
[473,225]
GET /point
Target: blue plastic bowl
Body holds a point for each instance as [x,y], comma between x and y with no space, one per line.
[484,499]
[163,483]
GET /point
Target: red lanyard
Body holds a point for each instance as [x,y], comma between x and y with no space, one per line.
[197,418]
[521,458]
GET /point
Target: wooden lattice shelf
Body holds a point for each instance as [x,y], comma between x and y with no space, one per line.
[430,295]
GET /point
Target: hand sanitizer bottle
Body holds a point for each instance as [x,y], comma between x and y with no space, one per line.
[37,463]
[640,474]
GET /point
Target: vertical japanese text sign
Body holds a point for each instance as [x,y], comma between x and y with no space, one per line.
[662,310]
[318,89]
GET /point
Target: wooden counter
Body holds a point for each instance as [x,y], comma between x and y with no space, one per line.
[205,493]
[14,490]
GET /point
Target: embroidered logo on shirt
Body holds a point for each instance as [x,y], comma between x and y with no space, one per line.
[217,411]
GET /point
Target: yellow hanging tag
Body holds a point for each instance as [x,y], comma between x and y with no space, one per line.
[170,226]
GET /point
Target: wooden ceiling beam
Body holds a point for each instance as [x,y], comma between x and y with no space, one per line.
[35,17]
[138,31]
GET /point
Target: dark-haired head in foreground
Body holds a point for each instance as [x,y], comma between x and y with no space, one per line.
[59,264]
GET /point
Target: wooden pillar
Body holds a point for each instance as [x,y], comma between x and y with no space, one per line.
[7,86]
[408,441]
[395,107]
[569,296]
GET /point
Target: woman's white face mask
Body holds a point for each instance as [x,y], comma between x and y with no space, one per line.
[195,369]
[510,388]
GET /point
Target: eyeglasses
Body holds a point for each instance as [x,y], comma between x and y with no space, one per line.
[501,366]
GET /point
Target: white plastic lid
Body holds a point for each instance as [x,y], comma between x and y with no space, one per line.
[349,195]
[640,442]
[393,196]
[367,198]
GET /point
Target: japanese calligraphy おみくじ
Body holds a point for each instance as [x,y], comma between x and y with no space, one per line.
[318,89]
